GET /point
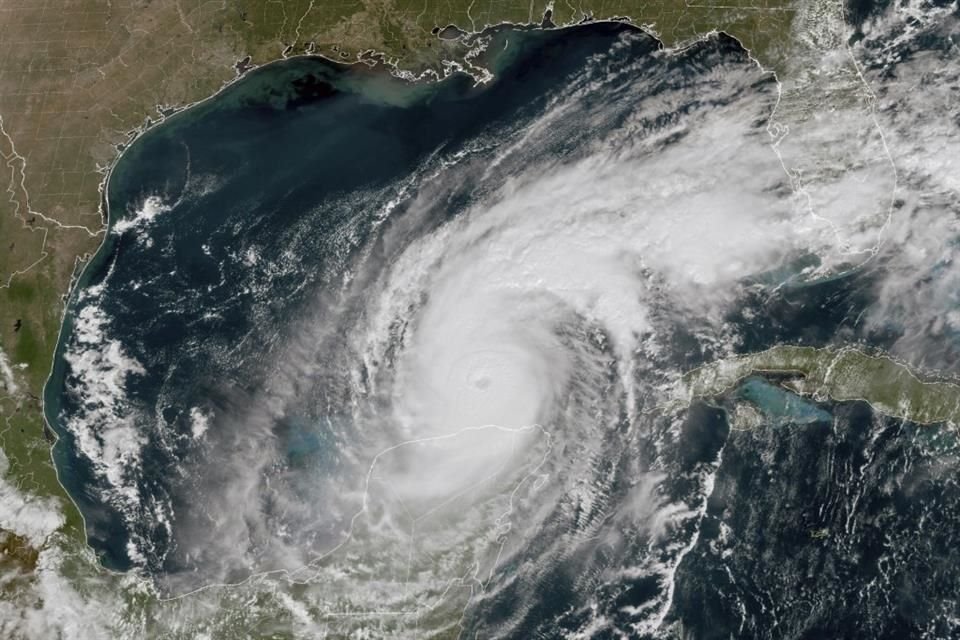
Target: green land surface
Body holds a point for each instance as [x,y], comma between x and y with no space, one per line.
[81,78]
[843,374]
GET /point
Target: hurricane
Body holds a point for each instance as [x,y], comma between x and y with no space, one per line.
[424,368]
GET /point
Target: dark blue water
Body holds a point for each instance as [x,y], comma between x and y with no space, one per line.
[237,225]
[268,191]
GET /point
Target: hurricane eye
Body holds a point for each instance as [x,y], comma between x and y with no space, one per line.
[571,333]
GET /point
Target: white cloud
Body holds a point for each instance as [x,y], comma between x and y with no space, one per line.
[105,426]
[25,514]
[7,377]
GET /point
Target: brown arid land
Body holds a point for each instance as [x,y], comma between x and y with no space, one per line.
[80,79]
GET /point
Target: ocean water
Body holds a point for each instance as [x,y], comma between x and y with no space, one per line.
[407,349]
[228,222]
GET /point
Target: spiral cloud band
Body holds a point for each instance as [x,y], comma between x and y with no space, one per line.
[414,358]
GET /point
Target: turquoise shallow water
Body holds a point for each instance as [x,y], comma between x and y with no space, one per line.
[296,270]
[779,405]
[225,222]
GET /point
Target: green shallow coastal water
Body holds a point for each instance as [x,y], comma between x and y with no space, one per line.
[225,219]
[293,260]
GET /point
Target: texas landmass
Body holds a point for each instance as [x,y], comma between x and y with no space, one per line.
[80,82]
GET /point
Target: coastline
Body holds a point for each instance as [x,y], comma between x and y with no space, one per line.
[169,115]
